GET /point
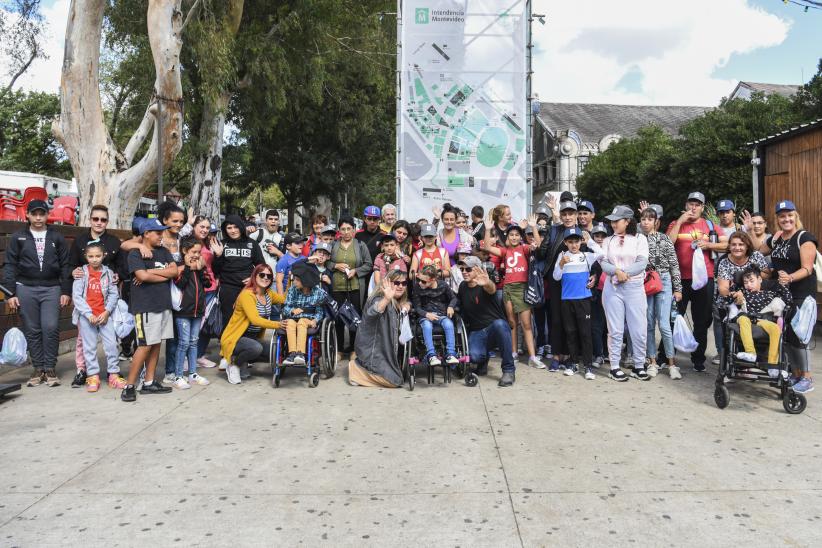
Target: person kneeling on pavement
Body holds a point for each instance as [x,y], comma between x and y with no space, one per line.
[484,318]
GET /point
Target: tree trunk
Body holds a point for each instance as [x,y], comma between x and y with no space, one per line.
[105,175]
[207,169]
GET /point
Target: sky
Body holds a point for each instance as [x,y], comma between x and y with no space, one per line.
[642,52]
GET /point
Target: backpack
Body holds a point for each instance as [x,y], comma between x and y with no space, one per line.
[535,290]
[817,265]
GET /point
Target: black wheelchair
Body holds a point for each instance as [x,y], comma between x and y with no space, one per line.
[321,353]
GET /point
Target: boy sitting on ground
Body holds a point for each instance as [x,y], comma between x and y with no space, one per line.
[302,309]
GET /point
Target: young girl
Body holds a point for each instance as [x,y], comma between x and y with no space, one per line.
[95,298]
[192,283]
[514,262]
[431,253]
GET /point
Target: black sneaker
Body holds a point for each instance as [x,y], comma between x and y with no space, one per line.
[507,379]
[289,359]
[129,393]
[699,367]
[640,374]
[79,379]
[618,375]
[155,388]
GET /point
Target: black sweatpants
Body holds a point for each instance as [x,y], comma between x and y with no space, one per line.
[559,342]
[576,316]
[228,297]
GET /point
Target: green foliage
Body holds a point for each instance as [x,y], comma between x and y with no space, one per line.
[809,98]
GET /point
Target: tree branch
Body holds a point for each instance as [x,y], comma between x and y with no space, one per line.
[140,135]
[20,72]
[191,13]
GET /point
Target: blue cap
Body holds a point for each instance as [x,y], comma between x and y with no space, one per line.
[573,232]
[587,205]
[785,205]
[371,211]
[152,225]
[213,228]
[137,224]
[725,205]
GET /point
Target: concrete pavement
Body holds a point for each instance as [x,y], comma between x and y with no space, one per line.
[552,461]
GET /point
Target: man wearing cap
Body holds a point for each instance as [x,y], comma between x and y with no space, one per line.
[389,217]
[727,216]
[688,232]
[38,276]
[585,215]
[270,239]
[485,319]
[370,234]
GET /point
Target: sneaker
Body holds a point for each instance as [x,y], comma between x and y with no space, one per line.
[598,361]
[481,370]
[115,380]
[129,393]
[606,359]
[51,378]
[123,358]
[652,370]
[433,360]
[233,374]
[170,378]
[699,367]
[640,374]
[223,364]
[180,383]
[533,361]
[554,367]
[92,383]
[618,375]
[155,388]
[673,371]
[289,359]
[492,354]
[570,370]
[37,379]
[773,372]
[79,378]
[507,379]
[141,379]
[589,374]
[299,358]
[546,350]
[451,360]
[804,386]
[205,362]
[749,357]
[715,360]
[194,378]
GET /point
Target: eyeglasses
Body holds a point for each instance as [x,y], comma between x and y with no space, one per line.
[400,284]
[265,276]
[372,218]
[99,219]
[465,269]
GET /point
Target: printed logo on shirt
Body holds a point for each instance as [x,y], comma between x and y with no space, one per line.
[512,260]
[234,252]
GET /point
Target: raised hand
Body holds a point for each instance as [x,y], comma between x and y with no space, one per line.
[388,290]
[643,205]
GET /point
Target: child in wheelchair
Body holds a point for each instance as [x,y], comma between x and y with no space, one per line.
[302,310]
[756,304]
[434,303]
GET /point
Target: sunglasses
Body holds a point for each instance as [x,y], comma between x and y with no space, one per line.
[372,218]
[465,269]
[99,219]
[400,284]
[265,276]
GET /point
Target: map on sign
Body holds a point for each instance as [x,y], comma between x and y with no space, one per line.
[463,123]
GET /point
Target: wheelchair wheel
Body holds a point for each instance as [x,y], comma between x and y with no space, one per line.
[314,380]
[794,403]
[471,379]
[721,396]
[277,374]
[329,349]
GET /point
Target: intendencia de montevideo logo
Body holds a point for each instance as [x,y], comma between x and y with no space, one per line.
[423,16]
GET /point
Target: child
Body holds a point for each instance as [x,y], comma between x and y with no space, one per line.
[192,283]
[598,235]
[95,298]
[391,258]
[302,310]
[514,262]
[431,253]
[293,253]
[434,302]
[151,306]
[329,233]
[755,300]
[318,257]
[573,270]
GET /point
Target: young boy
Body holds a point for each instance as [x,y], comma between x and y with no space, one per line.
[755,300]
[434,302]
[598,331]
[573,269]
[318,257]
[302,310]
[150,304]
[95,298]
[293,252]
[390,259]
[329,234]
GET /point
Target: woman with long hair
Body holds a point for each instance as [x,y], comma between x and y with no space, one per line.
[318,222]
[402,231]
[450,236]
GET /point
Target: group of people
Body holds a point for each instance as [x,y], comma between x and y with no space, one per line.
[558,289]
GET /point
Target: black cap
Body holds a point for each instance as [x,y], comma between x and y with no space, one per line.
[294,238]
[37,204]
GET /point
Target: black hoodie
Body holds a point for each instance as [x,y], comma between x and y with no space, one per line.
[239,256]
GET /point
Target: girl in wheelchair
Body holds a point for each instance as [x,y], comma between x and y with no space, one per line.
[302,310]
[434,303]
[754,302]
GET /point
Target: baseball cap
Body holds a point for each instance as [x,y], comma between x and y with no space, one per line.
[471,261]
[599,228]
[785,205]
[152,225]
[428,230]
[386,237]
[658,209]
[329,228]
[585,204]
[322,246]
[725,205]
[137,225]
[573,232]
[542,210]
[620,212]
[567,205]
[213,228]
[529,230]
[37,204]
[696,196]
[294,238]
[371,211]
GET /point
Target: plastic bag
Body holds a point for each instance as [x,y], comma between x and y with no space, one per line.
[699,270]
[176,296]
[123,320]
[14,348]
[405,329]
[804,320]
[684,340]
[456,279]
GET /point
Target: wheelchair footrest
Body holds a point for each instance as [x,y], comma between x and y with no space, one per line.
[413,361]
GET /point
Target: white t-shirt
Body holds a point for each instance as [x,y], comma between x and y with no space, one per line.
[39,244]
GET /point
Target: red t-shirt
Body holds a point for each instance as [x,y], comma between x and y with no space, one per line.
[94,293]
[515,262]
[688,233]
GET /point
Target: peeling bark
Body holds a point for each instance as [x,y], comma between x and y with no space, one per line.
[105,175]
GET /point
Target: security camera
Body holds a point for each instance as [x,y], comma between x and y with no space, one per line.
[755,161]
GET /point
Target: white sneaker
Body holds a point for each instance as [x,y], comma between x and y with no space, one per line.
[652,370]
[205,362]
[716,359]
[194,378]
[598,361]
[673,371]
[181,383]
[570,371]
[223,364]
[533,361]
[746,357]
[170,378]
[233,374]
[589,374]
[433,361]
[452,360]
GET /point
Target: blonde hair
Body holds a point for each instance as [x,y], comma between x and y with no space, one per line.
[796,219]
[391,277]
[498,212]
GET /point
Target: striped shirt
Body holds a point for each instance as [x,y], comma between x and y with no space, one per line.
[264,310]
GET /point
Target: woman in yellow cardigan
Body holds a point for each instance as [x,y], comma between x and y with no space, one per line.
[241,339]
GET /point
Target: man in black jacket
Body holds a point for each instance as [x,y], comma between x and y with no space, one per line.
[37,273]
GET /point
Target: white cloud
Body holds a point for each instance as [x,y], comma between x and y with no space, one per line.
[587,48]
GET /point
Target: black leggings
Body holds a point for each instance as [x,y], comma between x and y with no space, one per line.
[228,296]
[340,297]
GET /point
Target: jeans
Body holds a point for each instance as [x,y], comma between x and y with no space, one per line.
[202,341]
[626,303]
[188,333]
[248,350]
[659,312]
[481,340]
[40,312]
[701,312]
[428,335]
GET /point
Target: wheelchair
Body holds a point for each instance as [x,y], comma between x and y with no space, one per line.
[321,353]
[731,367]
[413,354]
